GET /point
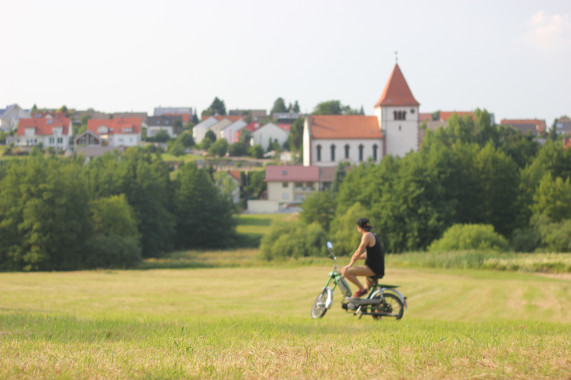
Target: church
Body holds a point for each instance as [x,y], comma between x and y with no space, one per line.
[331,139]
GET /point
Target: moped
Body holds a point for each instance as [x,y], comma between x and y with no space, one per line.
[382,301]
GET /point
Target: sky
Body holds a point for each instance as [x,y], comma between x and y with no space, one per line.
[511,57]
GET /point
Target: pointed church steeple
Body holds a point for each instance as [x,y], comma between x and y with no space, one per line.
[397,92]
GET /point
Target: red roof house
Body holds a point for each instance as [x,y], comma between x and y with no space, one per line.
[123,131]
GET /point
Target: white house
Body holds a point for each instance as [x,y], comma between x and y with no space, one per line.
[268,132]
[229,133]
[200,129]
[219,127]
[124,131]
[166,123]
[10,116]
[50,132]
[330,139]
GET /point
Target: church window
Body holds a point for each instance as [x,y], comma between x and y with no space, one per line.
[375,147]
[319,153]
[361,149]
[347,151]
[332,152]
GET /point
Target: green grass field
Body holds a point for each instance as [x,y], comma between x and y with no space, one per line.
[255,323]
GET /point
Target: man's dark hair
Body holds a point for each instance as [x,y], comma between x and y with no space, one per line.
[364,224]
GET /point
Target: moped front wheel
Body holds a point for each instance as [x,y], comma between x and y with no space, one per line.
[320,305]
[390,307]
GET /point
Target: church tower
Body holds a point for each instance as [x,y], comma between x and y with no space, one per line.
[397,114]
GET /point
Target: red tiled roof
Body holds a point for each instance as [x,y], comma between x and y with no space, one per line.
[44,126]
[294,173]
[235,174]
[117,125]
[344,127]
[253,126]
[285,127]
[397,92]
[233,119]
[424,116]
[566,142]
[445,115]
[540,125]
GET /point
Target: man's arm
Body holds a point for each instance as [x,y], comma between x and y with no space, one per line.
[360,253]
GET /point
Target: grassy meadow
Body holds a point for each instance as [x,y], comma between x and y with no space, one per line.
[254,322]
[225,314]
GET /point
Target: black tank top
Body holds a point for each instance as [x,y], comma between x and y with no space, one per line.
[376,257]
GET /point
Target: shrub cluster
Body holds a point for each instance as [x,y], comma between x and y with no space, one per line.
[63,214]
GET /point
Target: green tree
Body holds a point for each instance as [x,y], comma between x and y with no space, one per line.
[44,215]
[256,151]
[296,134]
[331,107]
[145,180]
[162,136]
[186,139]
[319,208]
[553,198]
[204,216]
[295,107]
[279,106]
[216,108]
[499,183]
[219,148]
[340,174]
[238,149]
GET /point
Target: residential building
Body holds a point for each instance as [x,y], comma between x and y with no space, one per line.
[268,133]
[166,111]
[49,132]
[563,126]
[286,117]
[255,115]
[289,185]
[88,138]
[165,122]
[536,127]
[10,117]
[219,126]
[122,131]
[141,115]
[201,128]
[230,132]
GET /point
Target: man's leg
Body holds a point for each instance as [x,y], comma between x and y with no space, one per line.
[359,270]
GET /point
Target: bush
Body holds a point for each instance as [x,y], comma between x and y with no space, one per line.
[525,240]
[556,237]
[293,239]
[112,252]
[468,237]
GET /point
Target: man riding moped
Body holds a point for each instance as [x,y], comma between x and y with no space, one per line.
[371,250]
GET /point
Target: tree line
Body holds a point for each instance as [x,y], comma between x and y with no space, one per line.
[471,172]
[63,213]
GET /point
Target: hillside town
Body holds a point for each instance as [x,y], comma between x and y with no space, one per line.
[255,139]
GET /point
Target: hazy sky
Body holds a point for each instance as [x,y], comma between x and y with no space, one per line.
[510,57]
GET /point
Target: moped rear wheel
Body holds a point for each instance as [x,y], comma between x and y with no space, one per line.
[319,305]
[391,307]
